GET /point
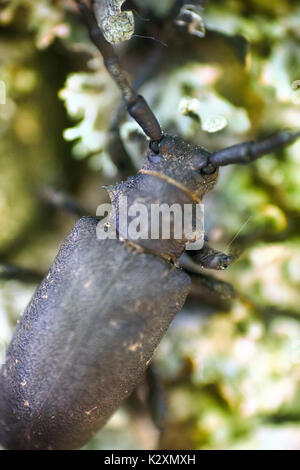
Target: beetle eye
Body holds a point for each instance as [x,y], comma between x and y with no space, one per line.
[154,158]
[154,146]
[208,170]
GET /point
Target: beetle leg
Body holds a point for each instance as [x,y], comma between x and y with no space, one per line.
[205,286]
[149,397]
[62,201]
[17,273]
[211,291]
[156,397]
[247,152]
[210,258]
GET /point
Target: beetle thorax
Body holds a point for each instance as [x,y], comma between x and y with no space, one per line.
[163,201]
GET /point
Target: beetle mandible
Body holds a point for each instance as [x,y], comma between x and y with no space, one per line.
[92,326]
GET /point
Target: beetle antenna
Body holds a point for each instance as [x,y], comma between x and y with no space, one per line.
[248,152]
[137,106]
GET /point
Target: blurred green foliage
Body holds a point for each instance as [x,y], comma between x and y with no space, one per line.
[232,378]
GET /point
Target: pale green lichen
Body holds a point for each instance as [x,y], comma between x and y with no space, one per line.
[190,17]
[42,17]
[117,25]
[89,99]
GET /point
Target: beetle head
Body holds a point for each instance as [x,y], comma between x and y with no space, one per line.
[182,162]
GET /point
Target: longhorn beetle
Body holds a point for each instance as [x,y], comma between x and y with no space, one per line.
[92,326]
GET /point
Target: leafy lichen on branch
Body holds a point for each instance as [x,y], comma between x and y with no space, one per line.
[117,25]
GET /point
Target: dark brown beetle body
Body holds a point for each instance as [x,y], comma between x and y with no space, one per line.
[92,326]
[85,340]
